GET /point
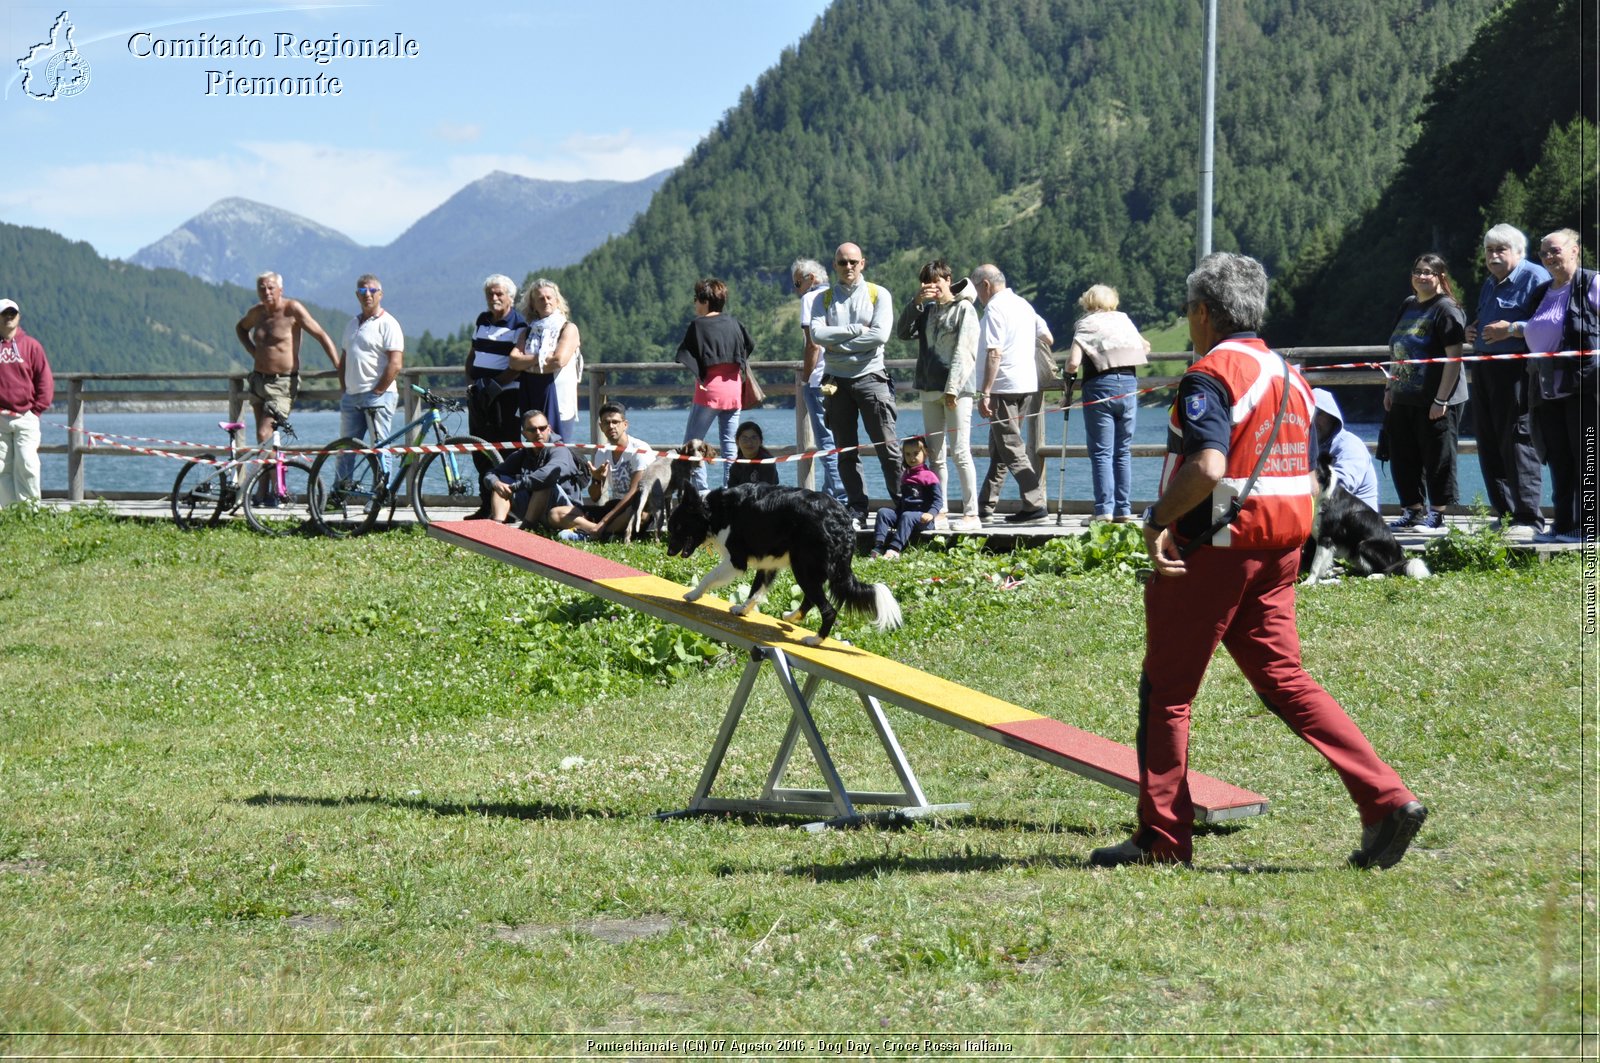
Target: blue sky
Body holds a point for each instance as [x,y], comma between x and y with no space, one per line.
[614,89]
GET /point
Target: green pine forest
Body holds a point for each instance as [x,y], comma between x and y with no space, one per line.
[1057,138]
[106,316]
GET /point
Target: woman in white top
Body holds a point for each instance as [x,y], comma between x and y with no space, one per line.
[550,357]
[1109,342]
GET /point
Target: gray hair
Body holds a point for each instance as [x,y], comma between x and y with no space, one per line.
[1569,236]
[367,280]
[1508,235]
[269,276]
[809,267]
[546,283]
[989,274]
[500,280]
[1233,289]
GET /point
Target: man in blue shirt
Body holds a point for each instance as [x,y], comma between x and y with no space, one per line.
[1511,473]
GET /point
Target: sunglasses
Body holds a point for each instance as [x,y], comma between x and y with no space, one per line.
[368,291]
[537,428]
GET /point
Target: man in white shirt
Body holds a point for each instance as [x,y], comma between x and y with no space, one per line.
[618,468]
[370,358]
[1010,394]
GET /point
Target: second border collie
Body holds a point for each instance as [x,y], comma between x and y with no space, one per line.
[766,529]
[1349,530]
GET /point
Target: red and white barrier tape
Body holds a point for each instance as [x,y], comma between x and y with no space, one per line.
[255,454]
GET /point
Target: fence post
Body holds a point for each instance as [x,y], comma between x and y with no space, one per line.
[804,439]
[598,378]
[77,442]
[235,397]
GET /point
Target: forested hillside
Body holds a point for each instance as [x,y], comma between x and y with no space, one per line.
[1058,138]
[1508,135]
[94,315]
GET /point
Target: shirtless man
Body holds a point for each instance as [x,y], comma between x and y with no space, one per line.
[270,333]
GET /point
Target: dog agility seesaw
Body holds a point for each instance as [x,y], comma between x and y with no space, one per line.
[874,679]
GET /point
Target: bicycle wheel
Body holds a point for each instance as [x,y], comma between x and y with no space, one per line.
[277,500]
[445,486]
[346,505]
[199,493]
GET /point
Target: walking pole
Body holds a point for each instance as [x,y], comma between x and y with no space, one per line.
[1061,485]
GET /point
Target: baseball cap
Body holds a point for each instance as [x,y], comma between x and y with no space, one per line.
[9,304]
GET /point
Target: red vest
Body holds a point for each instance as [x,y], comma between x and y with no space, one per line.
[1278,511]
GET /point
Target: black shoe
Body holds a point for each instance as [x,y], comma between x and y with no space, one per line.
[1386,841]
[482,514]
[985,516]
[1129,852]
[1027,516]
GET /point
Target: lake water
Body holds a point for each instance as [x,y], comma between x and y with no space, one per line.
[661,428]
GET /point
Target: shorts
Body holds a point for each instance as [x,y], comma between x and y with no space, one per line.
[276,391]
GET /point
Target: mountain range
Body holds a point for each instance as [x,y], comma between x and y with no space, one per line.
[433,272]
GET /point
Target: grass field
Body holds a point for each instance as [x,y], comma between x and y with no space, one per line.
[385,797]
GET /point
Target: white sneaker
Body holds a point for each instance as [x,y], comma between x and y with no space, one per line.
[1520,533]
[969,524]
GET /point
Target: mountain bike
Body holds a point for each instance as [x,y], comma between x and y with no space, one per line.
[350,488]
[272,486]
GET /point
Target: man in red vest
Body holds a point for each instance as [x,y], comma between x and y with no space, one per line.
[1224,540]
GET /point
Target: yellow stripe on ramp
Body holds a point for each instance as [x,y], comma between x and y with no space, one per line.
[711,617]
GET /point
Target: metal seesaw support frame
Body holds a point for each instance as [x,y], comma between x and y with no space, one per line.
[836,802]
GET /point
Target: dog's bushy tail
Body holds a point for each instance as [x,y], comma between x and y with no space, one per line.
[1416,568]
[870,599]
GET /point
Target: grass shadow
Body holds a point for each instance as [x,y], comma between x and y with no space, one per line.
[878,866]
[488,809]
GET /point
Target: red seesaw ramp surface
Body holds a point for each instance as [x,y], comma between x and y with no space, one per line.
[972,711]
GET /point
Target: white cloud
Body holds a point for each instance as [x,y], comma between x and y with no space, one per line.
[369,194]
[458,133]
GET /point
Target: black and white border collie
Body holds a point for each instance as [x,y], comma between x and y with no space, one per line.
[764,529]
[1349,530]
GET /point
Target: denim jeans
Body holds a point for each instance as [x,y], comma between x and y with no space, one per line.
[355,411]
[870,397]
[831,484]
[700,419]
[1110,410]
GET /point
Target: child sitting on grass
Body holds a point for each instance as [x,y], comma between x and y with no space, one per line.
[920,500]
[752,445]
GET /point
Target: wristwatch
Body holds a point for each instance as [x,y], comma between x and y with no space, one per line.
[1150,518]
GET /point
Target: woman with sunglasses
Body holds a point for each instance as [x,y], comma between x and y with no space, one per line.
[1425,395]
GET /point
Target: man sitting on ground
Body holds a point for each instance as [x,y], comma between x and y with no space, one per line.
[615,487]
[541,484]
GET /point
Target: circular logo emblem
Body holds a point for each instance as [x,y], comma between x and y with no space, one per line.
[66,74]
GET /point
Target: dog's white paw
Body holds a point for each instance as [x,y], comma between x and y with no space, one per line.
[740,609]
[811,640]
[794,617]
[692,596]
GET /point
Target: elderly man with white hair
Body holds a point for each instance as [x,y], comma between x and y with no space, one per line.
[492,383]
[1499,392]
[1010,395]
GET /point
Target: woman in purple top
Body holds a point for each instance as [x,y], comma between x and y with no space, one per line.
[1563,393]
